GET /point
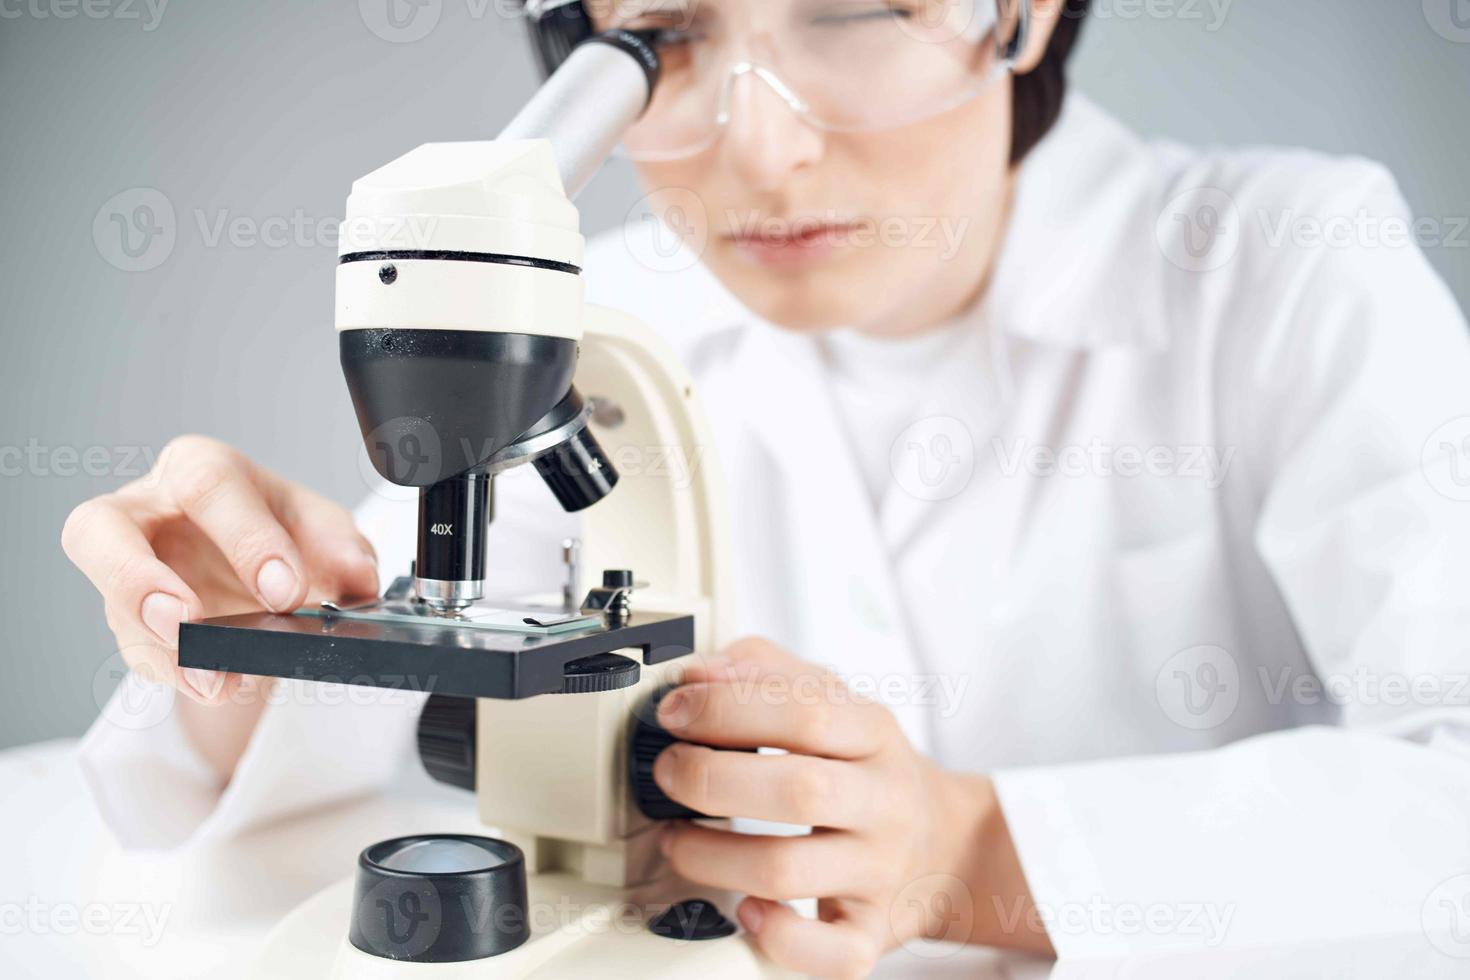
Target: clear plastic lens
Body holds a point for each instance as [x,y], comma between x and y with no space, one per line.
[441,856]
[842,64]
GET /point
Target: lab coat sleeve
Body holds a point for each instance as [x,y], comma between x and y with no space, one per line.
[1353,405]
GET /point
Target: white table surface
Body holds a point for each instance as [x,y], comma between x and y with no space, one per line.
[73,904]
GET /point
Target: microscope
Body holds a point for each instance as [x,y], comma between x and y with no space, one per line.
[468,350]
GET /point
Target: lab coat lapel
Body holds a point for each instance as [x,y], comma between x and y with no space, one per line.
[848,613]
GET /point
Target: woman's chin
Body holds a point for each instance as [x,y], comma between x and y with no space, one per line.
[809,300]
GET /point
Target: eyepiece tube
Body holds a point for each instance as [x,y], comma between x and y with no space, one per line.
[454,514]
[588,103]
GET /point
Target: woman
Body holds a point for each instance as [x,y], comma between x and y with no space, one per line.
[1045,436]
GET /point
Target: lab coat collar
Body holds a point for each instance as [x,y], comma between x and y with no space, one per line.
[1083,209]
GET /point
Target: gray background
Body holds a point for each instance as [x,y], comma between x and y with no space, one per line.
[267,109]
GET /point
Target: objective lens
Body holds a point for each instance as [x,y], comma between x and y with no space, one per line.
[578,472]
[449,573]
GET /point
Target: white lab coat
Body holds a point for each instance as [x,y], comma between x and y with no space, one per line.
[1250,494]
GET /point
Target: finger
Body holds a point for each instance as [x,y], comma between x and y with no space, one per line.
[745,658]
[144,600]
[343,561]
[139,591]
[841,948]
[799,789]
[217,489]
[809,713]
[827,863]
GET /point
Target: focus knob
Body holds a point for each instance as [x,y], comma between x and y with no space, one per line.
[447,739]
[647,739]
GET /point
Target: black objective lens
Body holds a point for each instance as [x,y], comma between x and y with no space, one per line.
[453,519]
[578,471]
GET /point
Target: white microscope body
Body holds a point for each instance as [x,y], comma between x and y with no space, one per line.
[479,239]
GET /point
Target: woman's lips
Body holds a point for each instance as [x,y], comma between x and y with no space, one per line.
[792,244]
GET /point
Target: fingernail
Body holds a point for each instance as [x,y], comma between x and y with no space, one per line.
[206,682]
[277,584]
[162,613]
[674,711]
[663,769]
[750,915]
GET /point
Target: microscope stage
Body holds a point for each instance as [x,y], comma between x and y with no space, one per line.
[483,655]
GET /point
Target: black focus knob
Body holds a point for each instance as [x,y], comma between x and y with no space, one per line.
[447,739]
[440,898]
[599,672]
[647,739]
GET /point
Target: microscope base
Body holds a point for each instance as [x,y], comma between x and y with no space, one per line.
[577,931]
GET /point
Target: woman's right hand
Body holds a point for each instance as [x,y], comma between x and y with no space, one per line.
[208,533]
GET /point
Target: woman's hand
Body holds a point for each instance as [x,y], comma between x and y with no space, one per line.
[900,848]
[208,533]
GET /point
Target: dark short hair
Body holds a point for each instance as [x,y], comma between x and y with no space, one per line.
[1036,99]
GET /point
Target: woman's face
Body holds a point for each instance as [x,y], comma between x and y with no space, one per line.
[889,231]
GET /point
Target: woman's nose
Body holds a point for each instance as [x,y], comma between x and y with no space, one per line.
[765,139]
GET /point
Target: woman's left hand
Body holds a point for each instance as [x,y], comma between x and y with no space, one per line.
[900,848]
